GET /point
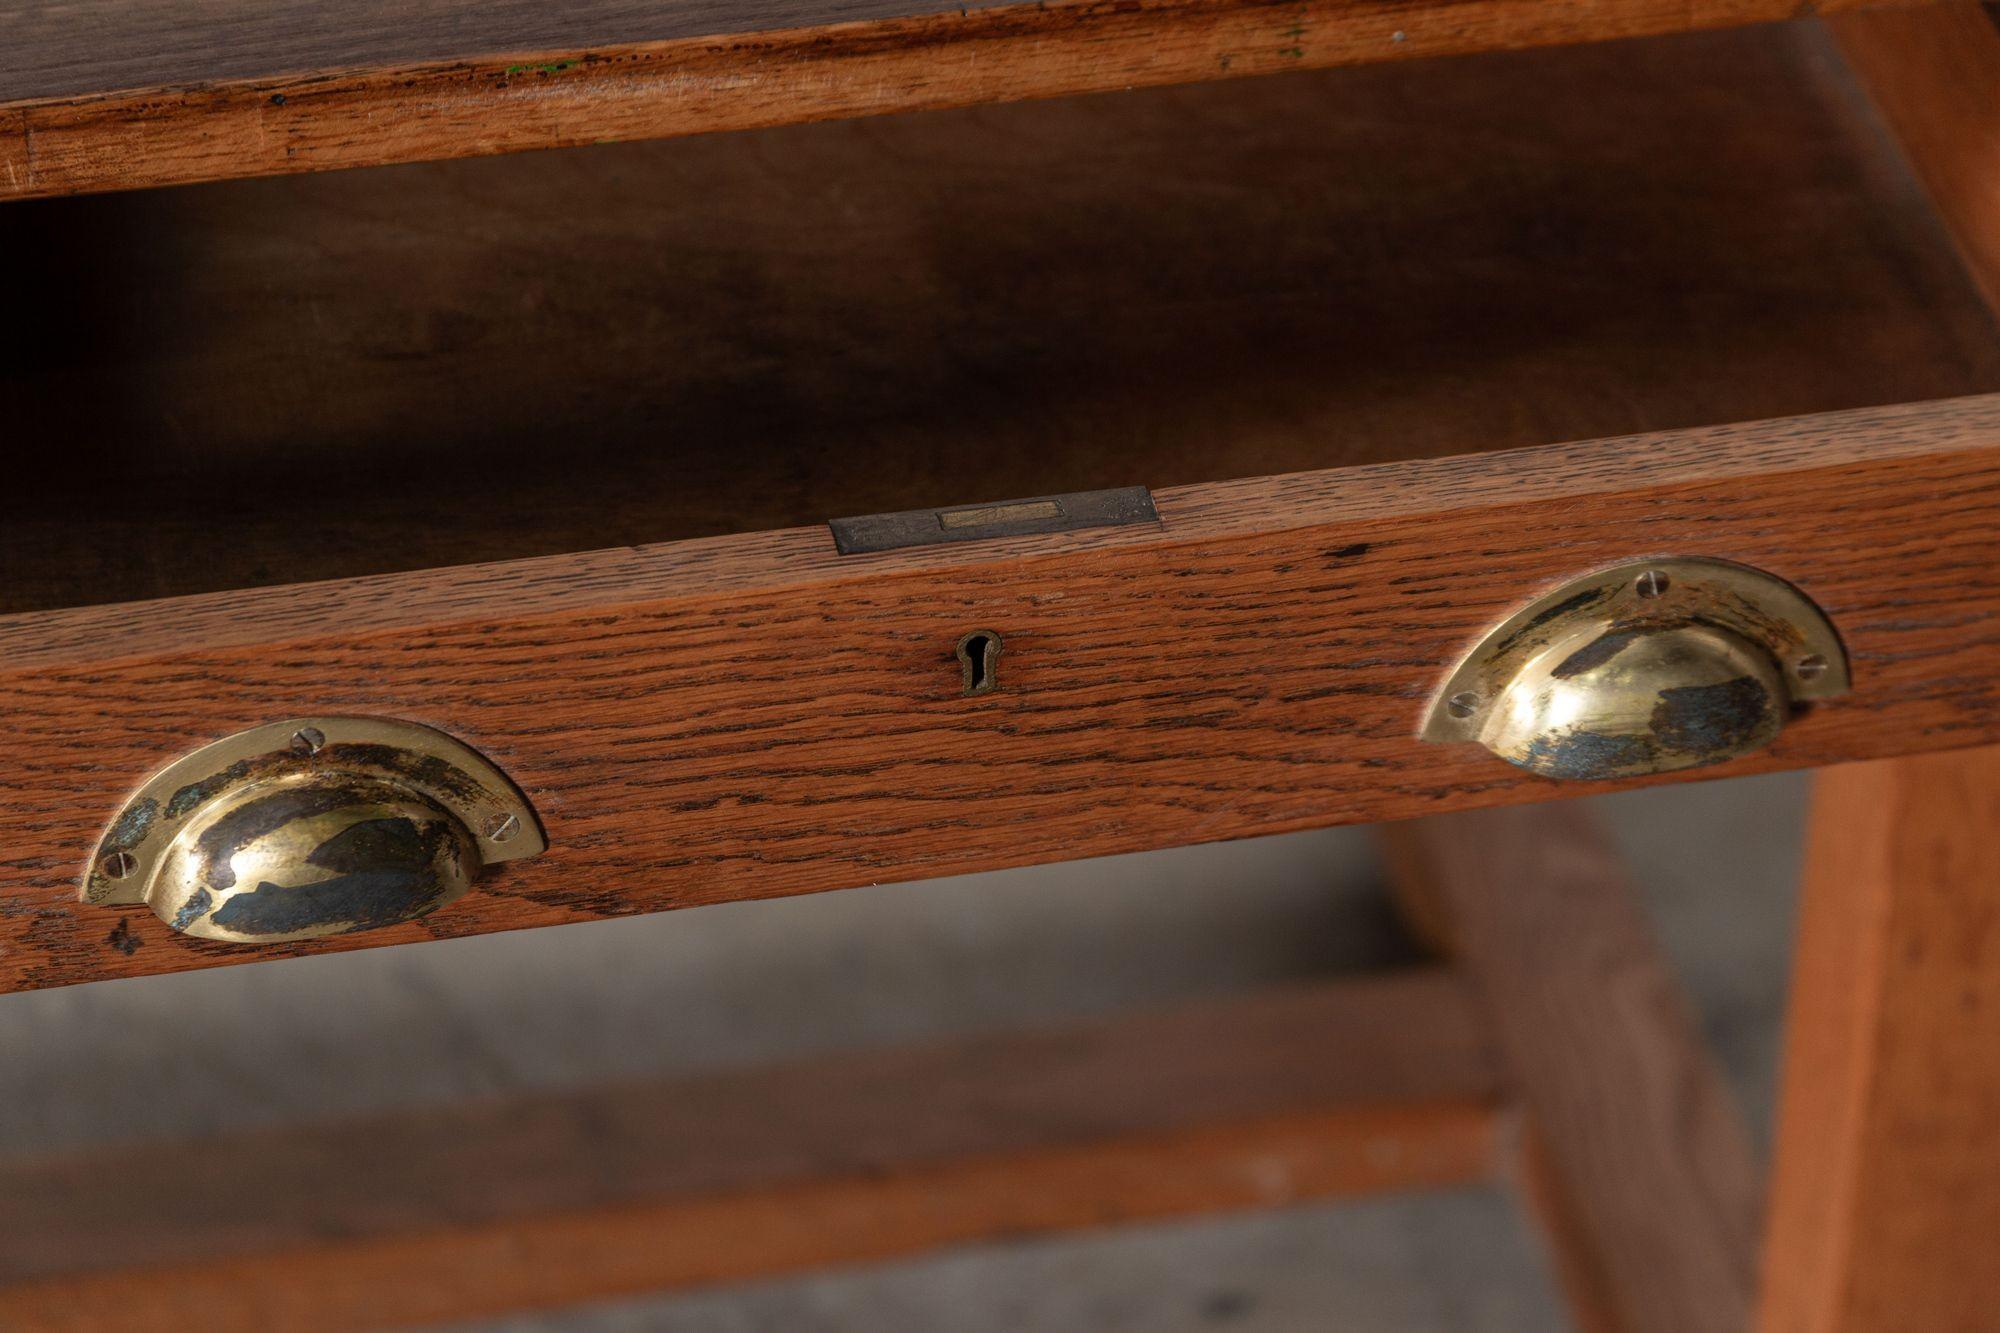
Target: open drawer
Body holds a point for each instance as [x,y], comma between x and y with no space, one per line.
[540,452]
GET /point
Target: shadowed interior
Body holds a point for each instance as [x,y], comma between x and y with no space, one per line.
[322,376]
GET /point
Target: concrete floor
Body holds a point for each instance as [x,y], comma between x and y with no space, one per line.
[752,983]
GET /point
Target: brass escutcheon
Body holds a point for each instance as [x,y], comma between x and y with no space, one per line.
[1645,667]
[316,826]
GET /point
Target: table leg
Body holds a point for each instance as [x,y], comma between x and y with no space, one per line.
[1885,1204]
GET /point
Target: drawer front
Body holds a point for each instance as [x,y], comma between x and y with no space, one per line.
[757,716]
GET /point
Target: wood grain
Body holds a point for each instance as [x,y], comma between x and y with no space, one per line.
[1887,1184]
[275,381]
[774,63]
[1636,1157]
[1585,1281]
[1933,71]
[1340,1088]
[754,716]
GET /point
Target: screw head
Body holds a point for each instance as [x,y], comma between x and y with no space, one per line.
[1463,704]
[1653,583]
[119,865]
[1810,667]
[308,741]
[501,827]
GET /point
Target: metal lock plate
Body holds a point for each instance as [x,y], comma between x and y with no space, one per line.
[870,533]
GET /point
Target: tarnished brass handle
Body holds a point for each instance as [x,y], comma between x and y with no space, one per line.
[1642,668]
[316,826]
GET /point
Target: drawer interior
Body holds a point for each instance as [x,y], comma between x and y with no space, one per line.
[322,376]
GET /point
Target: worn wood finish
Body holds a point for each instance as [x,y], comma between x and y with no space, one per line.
[1637,1158]
[1887,1184]
[754,716]
[272,381]
[1348,1087]
[91,47]
[1933,71]
[735,68]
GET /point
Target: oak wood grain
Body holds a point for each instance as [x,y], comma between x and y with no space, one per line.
[1253,1101]
[755,716]
[275,381]
[1635,1156]
[1887,1183]
[238,90]
[1933,71]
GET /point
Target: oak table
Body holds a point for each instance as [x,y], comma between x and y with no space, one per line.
[670,472]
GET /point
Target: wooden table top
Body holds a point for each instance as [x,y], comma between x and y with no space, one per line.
[103,94]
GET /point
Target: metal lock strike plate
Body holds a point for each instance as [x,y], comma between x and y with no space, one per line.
[1073,512]
[316,826]
[1646,667]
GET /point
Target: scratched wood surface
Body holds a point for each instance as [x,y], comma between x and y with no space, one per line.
[103,95]
[751,716]
[273,381]
[1634,1154]
[1254,1101]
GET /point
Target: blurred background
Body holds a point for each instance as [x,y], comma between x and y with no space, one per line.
[171,1060]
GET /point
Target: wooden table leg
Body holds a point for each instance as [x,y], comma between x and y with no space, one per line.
[1633,1156]
[1886,1198]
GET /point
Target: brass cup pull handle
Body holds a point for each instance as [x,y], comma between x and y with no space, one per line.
[1642,668]
[316,826]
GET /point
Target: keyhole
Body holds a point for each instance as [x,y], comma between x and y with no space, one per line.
[979,661]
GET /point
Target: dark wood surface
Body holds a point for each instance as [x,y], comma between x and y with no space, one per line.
[752,716]
[82,47]
[1635,1155]
[1933,71]
[77,48]
[104,95]
[1885,1190]
[273,381]
[1254,1101]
